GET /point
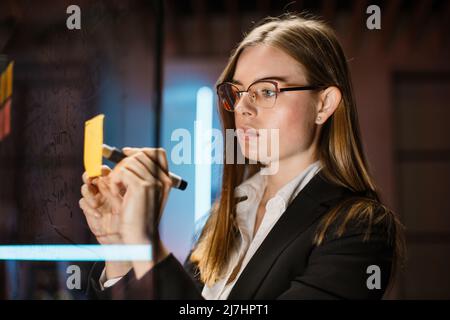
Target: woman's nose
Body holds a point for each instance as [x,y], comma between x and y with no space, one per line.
[244,107]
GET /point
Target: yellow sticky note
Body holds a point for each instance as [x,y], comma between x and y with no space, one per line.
[9,80]
[2,87]
[93,142]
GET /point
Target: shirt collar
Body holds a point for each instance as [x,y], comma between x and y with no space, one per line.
[290,190]
[253,189]
[257,183]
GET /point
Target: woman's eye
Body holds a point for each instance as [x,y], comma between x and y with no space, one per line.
[268,93]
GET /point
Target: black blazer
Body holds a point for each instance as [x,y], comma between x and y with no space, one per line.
[287,265]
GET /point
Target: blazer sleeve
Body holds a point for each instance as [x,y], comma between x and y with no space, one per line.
[346,267]
[183,283]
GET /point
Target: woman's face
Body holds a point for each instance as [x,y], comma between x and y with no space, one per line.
[293,114]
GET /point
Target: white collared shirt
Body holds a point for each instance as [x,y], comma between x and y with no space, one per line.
[246,211]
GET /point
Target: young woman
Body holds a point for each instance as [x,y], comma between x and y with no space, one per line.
[313,228]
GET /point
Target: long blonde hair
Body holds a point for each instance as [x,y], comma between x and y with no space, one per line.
[313,44]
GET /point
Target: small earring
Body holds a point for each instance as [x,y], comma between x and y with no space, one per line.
[319,118]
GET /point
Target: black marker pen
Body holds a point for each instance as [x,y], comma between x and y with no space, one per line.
[115,155]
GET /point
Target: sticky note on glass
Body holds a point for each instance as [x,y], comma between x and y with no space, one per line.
[93,141]
[9,80]
[2,88]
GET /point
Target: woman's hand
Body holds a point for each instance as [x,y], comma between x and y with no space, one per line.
[144,177]
[102,215]
[128,203]
[100,210]
[141,183]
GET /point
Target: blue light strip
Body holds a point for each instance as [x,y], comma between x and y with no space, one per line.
[86,252]
[203,147]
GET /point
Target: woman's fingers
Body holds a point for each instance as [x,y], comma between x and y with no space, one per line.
[91,194]
[145,169]
[123,177]
[105,171]
[152,189]
[129,151]
[101,208]
[162,172]
[104,227]
[143,174]
[138,167]
[157,155]
[147,161]
[115,200]
[88,210]
[84,177]
[153,162]
[89,189]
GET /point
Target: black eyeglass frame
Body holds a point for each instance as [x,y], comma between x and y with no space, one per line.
[277,89]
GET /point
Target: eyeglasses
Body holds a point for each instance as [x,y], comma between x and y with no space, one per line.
[262,94]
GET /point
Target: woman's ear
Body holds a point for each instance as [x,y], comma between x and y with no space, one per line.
[329,100]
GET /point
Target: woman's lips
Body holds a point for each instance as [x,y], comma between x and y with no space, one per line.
[247,133]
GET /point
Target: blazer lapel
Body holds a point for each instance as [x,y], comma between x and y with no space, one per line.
[309,205]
